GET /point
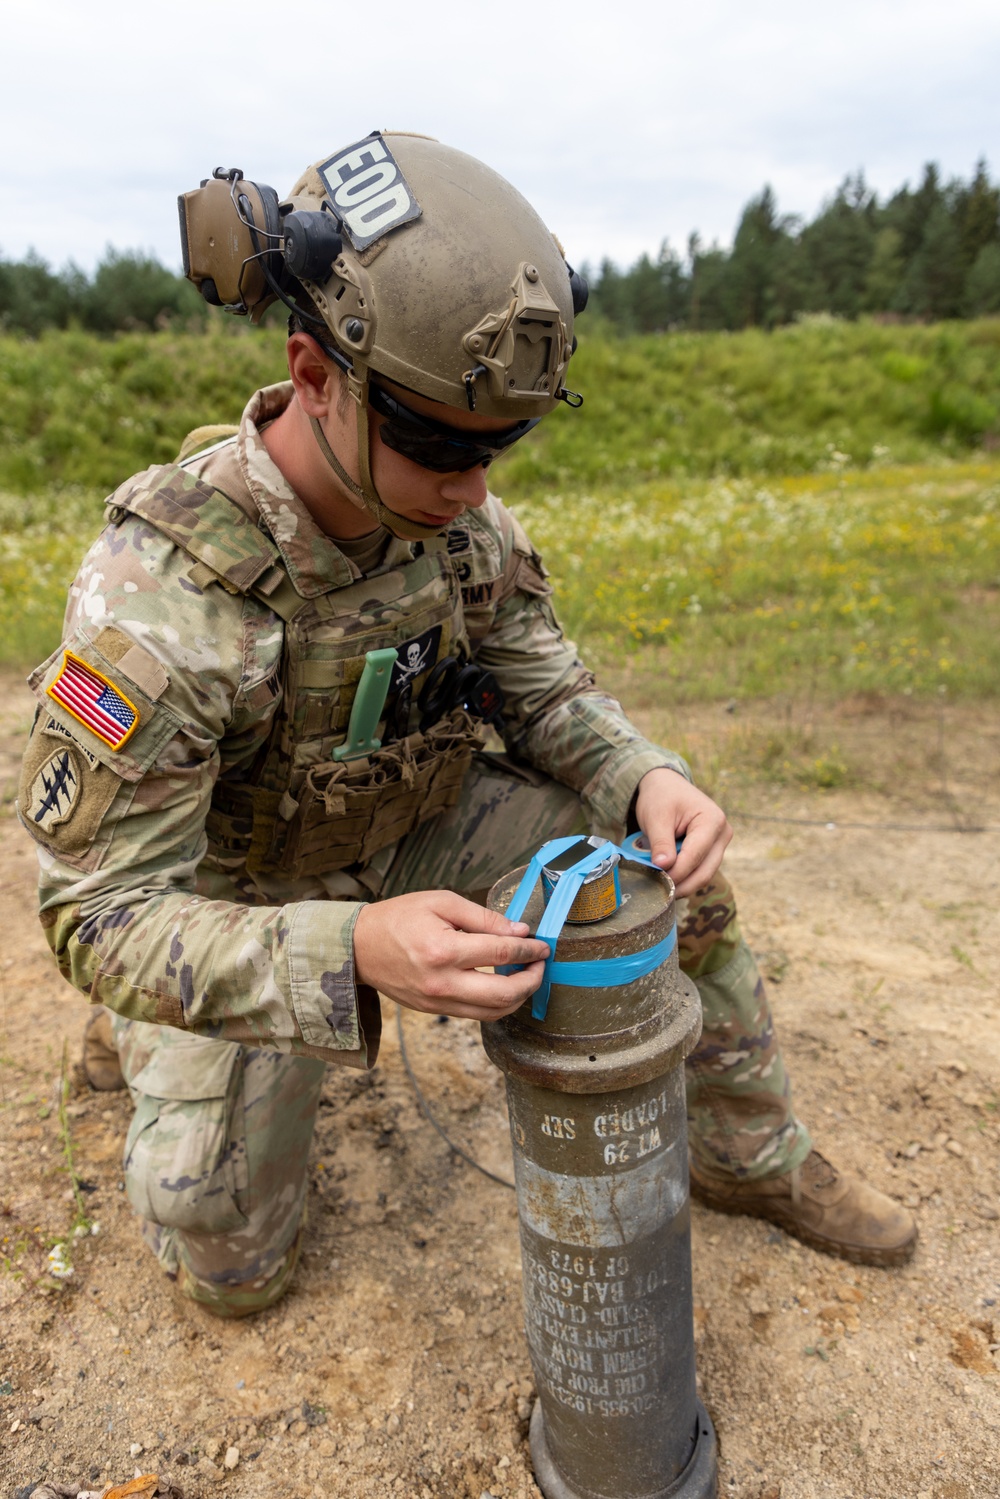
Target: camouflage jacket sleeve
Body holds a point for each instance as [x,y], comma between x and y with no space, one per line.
[557,718]
[121,826]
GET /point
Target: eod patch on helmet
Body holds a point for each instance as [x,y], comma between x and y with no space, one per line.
[407,260]
[368,191]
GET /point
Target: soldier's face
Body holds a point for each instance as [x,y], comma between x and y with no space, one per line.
[419,493]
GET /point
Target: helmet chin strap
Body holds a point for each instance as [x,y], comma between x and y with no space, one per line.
[365,495]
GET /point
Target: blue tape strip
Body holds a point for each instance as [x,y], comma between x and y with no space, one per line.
[595,973]
[600,973]
[533,873]
[643,855]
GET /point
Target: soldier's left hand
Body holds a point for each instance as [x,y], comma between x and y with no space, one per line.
[669,808]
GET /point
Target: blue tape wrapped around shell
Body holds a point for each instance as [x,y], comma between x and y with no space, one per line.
[588,973]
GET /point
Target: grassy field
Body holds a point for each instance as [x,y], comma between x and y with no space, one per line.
[883,580]
[80,410]
[815,510]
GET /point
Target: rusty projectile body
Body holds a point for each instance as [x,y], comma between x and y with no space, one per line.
[597,1117]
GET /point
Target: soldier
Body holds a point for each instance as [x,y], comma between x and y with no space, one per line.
[230,865]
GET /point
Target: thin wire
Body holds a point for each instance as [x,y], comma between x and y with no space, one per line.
[891,827]
[428,1114]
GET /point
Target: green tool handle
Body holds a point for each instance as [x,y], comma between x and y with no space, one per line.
[369,700]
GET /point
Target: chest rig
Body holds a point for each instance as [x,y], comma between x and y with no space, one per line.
[293,809]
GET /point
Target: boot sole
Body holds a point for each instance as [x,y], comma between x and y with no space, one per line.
[883,1259]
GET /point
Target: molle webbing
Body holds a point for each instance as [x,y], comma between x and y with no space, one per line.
[295,811]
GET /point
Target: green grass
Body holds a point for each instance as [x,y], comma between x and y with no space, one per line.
[886,580]
[78,410]
[81,410]
[819,395]
[814,509]
[41,543]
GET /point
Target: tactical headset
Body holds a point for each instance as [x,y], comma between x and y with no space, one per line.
[243,248]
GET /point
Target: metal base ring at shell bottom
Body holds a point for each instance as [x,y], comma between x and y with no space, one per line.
[698,1480]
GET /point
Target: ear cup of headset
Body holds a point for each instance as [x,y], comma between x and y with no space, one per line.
[580,290]
[230,240]
[312,243]
[258,205]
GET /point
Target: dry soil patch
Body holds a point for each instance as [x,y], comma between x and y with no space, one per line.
[397,1365]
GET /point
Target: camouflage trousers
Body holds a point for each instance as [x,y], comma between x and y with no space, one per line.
[217,1153]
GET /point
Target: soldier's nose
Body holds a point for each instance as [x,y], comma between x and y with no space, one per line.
[468,489]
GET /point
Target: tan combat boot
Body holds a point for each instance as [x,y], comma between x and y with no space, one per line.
[100,1062]
[820,1205]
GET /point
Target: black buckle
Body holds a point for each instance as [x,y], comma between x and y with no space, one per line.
[460,684]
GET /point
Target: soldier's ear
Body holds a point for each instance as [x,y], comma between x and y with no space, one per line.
[316,379]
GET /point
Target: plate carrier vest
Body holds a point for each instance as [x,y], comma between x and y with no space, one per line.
[294,810]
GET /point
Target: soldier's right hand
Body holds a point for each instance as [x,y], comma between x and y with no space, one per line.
[424,950]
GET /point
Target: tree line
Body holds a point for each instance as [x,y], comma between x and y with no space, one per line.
[926,253]
[128,290]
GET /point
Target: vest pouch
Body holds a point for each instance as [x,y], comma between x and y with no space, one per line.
[349,810]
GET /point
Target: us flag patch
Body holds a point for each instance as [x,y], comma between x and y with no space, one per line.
[94,701]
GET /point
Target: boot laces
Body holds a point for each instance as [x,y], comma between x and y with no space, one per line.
[822,1173]
[818,1172]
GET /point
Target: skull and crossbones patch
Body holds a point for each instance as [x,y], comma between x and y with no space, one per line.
[414,657]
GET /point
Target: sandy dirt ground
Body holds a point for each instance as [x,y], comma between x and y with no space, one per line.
[397,1366]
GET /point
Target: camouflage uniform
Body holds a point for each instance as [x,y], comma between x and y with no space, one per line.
[200,876]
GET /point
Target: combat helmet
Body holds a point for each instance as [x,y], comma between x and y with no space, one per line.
[407,259]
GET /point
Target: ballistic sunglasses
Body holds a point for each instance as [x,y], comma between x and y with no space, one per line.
[434,445]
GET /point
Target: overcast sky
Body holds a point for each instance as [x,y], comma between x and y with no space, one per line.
[624,123]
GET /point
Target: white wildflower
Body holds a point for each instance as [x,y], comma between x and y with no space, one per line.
[59,1264]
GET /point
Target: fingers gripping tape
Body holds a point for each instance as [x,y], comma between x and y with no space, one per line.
[597,973]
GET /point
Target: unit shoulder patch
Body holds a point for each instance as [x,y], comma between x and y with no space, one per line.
[54,791]
[65,790]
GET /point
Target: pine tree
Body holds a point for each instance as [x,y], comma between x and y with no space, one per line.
[978,214]
[981,296]
[934,281]
[32,297]
[839,245]
[753,262]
